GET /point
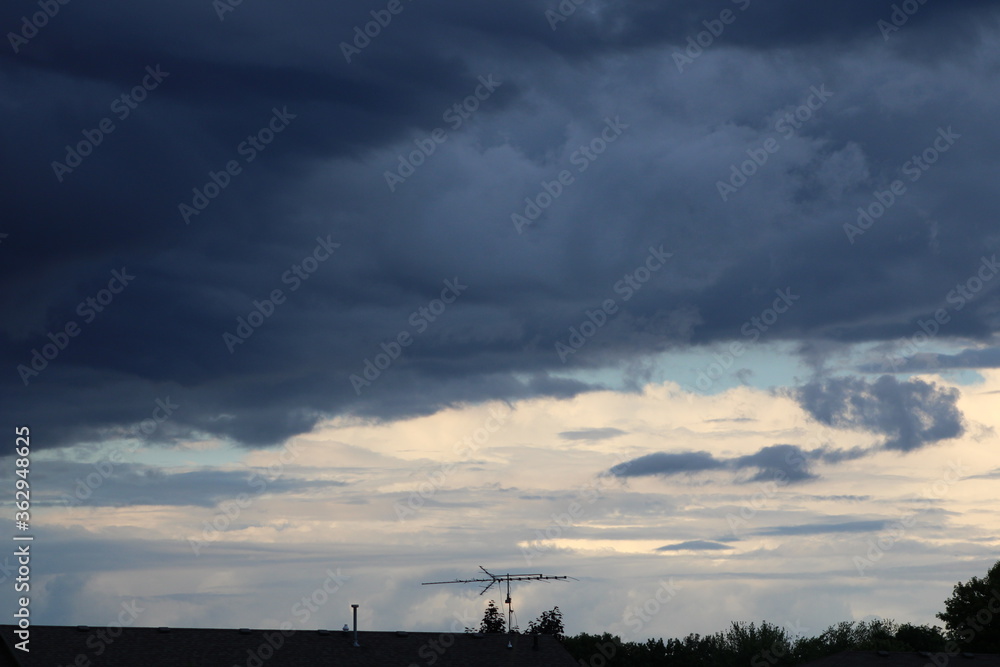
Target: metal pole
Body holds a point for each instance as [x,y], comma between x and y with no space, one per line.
[510,608]
[355,624]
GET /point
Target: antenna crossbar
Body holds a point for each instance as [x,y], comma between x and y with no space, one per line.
[498,579]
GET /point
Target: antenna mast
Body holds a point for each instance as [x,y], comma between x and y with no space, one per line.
[498,579]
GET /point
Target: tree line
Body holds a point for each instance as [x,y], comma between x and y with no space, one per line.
[971,620]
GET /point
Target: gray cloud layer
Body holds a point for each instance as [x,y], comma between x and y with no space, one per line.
[824,528]
[908,414]
[592,434]
[107,483]
[695,545]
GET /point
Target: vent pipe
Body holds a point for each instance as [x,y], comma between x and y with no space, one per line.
[355,607]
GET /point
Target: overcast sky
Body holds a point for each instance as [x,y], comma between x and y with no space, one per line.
[689,292]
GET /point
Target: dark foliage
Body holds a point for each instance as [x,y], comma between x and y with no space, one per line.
[972,613]
[549,623]
[493,621]
[753,645]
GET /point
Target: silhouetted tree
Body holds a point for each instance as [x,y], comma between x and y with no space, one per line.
[493,621]
[972,613]
[549,623]
[748,644]
[921,637]
[874,635]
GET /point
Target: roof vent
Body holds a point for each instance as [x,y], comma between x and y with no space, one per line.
[244,631]
[323,632]
[163,628]
[402,633]
[82,628]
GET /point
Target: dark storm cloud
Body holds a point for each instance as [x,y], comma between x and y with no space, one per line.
[788,461]
[592,434]
[909,414]
[781,463]
[662,463]
[343,125]
[694,545]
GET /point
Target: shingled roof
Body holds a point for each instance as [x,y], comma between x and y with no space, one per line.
[193,647]
[905,659]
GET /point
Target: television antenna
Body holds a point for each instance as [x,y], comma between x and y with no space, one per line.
[498,580]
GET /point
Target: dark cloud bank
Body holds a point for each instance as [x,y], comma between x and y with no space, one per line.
[134,298]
